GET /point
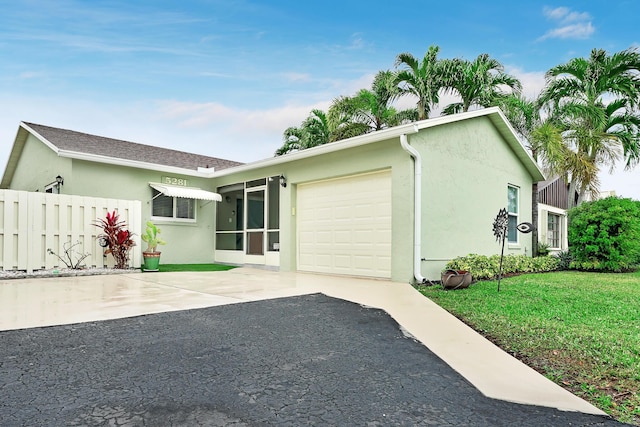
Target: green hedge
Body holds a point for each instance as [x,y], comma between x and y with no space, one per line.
[484,267]
[605,235]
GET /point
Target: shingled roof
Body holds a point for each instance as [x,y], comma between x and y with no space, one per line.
[69,140]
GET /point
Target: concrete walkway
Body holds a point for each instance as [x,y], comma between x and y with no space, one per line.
[30,303]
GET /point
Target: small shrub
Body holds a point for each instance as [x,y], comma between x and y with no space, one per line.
[484,267]
[69,254]
[564,260]
[543,249]
[604,235]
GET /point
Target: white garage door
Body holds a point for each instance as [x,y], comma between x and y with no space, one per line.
[344,225]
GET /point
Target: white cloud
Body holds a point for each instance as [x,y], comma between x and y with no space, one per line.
[575,31]
[555,13]
[570,24]
[31,75]
[296,77]
[532,81]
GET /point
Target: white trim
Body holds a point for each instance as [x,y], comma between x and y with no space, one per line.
[42,139]
[200,172]
[493,113]
[133,163]
[563,224]
[514,214]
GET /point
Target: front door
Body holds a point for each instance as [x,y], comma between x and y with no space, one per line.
[255,225]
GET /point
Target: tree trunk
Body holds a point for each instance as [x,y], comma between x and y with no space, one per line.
[571,195]
[534,219]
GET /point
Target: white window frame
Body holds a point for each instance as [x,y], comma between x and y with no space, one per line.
[513,214]
[559,230]
[175,208]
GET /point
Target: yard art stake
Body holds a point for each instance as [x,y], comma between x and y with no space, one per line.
[500,229]
[500,226]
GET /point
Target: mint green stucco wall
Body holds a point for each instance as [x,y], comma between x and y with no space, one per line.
[186,242]
[371,157]
[467,169]
[38,166]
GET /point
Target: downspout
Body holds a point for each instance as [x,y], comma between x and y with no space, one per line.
[417,206]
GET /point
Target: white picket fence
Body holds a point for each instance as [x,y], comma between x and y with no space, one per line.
[32,223]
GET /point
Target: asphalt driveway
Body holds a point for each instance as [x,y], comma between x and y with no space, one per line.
[301,360]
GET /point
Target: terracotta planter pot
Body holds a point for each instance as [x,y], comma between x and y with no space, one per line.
[456,279]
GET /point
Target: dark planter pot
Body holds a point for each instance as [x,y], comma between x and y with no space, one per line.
[456,279]
[151,261]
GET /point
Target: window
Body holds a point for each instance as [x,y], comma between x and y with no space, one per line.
[52,188]
[177,208]
[248,219]
[512,209]
[553,230]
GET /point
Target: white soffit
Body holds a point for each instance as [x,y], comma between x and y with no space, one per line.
[186,192]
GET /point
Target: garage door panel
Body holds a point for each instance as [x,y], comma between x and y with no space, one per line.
[344,225]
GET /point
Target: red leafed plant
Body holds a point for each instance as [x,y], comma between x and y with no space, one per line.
[115,238]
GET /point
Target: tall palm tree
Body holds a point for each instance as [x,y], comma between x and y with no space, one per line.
[368,110]
[541,137]
[313,131]
[596,101]
[423,79]
[481,82]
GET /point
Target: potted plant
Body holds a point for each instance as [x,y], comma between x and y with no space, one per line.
[151,255]
[456,279]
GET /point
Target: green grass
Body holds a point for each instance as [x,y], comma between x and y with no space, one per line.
[581,330]
[194,267]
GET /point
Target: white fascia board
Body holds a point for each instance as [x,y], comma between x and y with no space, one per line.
[331,147]
[504,126]
[381,135]
[551,209]
[201,172]
[44,140]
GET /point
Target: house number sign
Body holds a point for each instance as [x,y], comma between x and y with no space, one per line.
[169,180]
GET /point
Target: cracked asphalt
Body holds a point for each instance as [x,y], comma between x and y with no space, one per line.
[308,360]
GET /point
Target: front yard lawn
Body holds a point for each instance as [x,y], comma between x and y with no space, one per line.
[581,330]
[164,268]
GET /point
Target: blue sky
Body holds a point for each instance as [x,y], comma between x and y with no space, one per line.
[225,78]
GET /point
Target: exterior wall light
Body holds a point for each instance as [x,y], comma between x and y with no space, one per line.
[283,181]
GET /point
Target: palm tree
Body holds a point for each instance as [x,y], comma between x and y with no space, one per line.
[423,79]
[596,102]
[541,137]
[368,110]
[313,131]
[480,82]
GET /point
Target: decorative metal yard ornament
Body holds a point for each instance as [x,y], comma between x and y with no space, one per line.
[501,229]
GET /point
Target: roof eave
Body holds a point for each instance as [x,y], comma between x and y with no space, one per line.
[200,172]
[16,152]
[377,136]
[496,116]
[504,127]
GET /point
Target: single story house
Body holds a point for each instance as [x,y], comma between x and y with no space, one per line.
[397,203]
